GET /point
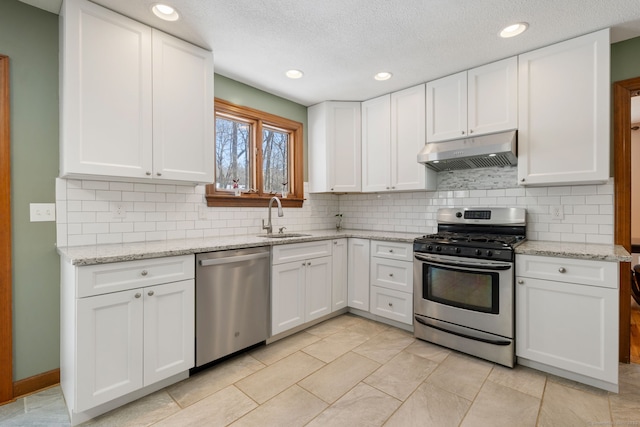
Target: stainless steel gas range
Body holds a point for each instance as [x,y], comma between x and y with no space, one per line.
[463,279]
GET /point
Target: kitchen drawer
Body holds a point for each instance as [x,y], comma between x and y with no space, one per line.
[301,251]
[585,272]
[392,250]
[392,274]
[392,304]
[119,276]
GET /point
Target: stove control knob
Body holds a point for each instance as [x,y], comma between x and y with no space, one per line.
[478,252]
[458,214]
[489,253]
[457,250]
[438,248]
[429,248]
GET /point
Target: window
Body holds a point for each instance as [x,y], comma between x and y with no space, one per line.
[258,156]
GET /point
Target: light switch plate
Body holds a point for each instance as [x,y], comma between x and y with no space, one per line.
[40,212]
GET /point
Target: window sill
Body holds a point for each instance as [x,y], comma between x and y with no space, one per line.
[250,200]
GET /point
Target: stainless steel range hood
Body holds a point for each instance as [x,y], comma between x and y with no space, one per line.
[497,149]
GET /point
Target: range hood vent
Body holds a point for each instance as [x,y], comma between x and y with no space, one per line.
[497,149]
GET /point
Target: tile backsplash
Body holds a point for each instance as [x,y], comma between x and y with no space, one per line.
[96,212]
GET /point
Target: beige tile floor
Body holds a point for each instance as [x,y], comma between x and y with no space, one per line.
[350,371]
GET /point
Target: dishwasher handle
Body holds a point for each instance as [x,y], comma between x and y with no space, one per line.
[232,259]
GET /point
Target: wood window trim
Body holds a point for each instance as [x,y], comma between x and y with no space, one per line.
[6,348]
[295,198]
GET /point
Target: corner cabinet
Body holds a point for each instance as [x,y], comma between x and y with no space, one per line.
[567,318]
[127,329]
[135,102]
[335,147]
[564,90]
[393,132]
[475,102]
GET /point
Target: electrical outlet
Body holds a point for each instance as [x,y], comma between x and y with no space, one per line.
[40,212]
[119,210]
[202,212]
[556,212]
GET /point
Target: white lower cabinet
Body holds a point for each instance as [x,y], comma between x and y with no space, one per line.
[300,284]
[115,346]
[391,279]
[567,318]
[358,274]
[340,274]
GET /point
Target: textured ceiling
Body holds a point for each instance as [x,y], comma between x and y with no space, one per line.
[341,44]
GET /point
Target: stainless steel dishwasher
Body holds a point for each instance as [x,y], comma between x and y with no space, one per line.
[232,301]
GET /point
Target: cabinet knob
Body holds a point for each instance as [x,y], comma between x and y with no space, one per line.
[390,304]
[462,132]
[470,130]
[562,270]
[393,188]
[150,293]
[390,274]
[138,295]
[331,189]
[308,263]
[148,173]
[522,180]
[304,263]
[335,242]
[144,272]
[158,173]
[520,282]
[390,251]
[387,188]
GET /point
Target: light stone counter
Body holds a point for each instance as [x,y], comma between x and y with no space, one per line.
[101,254]
[574,250]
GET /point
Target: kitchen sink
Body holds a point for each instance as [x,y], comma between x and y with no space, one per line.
[282,235]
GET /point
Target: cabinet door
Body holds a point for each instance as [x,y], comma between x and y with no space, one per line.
[407,139]
[376,140]
[105,92]
[335,146]
[493,97]
[563,103]
[287,296]
[358,274]
[339,274]
[447,108]
[183,115]
[568,326]
[109,347]
[169,332]
[317,288]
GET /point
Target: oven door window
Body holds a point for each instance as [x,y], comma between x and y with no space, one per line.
[469,290]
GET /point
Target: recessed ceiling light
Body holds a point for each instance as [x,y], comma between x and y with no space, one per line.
[514,30]
[382,76]
[294,74]
[165,12]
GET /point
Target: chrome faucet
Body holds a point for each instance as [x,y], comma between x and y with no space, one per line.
[269,227]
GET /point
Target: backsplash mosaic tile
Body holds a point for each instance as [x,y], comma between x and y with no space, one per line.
[95,212]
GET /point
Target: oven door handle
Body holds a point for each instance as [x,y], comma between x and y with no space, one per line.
[460,334]
[486,265]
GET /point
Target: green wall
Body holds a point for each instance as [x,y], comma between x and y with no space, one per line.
[241,94]
[625,60]
[29,36]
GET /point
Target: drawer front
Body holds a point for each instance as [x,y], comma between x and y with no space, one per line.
[301,251]
[119,276]
[392,250]
[585,272]
[392,274]
[392,304]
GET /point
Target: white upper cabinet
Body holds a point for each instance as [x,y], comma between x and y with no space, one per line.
[335,151]
[475,102]
[563,135]
[183,117]
[393,132]
[135,103]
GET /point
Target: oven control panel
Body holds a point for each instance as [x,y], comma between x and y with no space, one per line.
[501,254]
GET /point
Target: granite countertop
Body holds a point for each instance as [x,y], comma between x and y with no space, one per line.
[102,254]
[574,250]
